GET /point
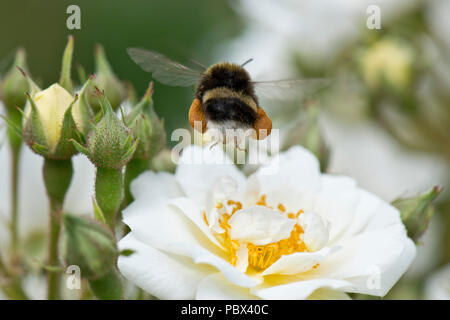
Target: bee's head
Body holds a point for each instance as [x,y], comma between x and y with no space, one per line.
[228,75]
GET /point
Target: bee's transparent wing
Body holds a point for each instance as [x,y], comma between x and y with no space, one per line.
[163,69]
[289,89]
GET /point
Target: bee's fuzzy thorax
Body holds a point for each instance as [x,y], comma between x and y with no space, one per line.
[228,75]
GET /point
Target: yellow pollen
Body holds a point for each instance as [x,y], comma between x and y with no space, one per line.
[206,219]
[260,257]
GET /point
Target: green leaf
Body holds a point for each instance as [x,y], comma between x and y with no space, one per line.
[108,287]
[126,252]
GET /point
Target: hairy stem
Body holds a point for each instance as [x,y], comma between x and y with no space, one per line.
[109,193]
[57,178]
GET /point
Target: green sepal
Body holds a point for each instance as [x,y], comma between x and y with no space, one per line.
[80,148]
[416,212]
[40,149]
[98,214]
[84,107]
[110,142]
[65,81]
[82,77]
[12,125]
[33,87]
[65,148]
[33,130]
[129,154]
[147,127]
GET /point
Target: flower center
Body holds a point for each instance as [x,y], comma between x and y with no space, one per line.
[260,257]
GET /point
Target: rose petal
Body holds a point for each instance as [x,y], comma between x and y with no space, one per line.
[162,275]
[385,253]
[260,225]
[290,178]
[301,289]
[199,169]
[155,188]
[201,255]
[192,210]
[337,207]
[217,287]
[298,262]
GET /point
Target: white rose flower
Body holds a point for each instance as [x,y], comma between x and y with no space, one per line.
[208,232]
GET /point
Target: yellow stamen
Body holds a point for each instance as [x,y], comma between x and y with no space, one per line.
[206,219]
[260,257]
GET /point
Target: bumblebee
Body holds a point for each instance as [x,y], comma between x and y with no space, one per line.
[225,96]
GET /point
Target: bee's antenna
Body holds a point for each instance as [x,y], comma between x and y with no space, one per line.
[249,60]
[198,64]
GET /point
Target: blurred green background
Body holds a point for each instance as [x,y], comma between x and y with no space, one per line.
[182,30]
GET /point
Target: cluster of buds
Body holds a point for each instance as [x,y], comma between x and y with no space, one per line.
[58,122]
[110,144]
[147,127]
[107,81]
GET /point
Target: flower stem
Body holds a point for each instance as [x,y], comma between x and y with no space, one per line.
[15,158]
[57,178]
[109,193]
[15,143]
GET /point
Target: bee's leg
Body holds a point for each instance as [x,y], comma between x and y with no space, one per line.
[237,144]
[214,144]
[196,116]
[262,125]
